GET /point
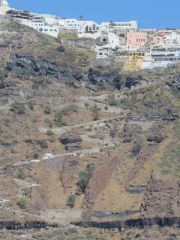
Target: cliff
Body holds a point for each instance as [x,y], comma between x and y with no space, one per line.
[80,141]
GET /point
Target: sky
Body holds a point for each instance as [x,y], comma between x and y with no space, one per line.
[148,13]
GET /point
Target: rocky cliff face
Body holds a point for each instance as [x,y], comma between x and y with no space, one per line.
[30,67]
[162,198]
[15,225]
[135,223]
[82,140]
[111,79]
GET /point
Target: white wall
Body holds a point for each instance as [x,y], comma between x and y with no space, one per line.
[131,25]
[50,19]
[41,26]
[78,25]
[113,40]
[89,35]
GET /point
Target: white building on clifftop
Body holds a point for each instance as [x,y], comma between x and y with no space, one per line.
[114,26]
[4,7]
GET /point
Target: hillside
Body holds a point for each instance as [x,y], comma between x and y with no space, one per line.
[83,142]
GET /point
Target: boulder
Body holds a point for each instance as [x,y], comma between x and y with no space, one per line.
[157,138]
[71,138]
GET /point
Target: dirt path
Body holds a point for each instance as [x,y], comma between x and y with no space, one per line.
[62,130]
[98,182]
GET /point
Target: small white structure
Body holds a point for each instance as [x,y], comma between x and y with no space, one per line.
[50,19]
[89,27]
[103,52]
[161,59]
[172,39]
[3,201]
[79,26]
[48,156]
[4,7]
[111,39]
[69,24]
[23,17]
[108,43]
[111,26]
[38,23]
[94,35]
[166,39]
[35,161]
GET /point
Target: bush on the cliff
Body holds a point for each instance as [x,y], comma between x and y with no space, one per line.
[21,203]
[137,145]
[58,119]
[71,200]
[112,100]
[47,110]
[84,178]
[61,49]
[95,113]
[2,75]
[17,108]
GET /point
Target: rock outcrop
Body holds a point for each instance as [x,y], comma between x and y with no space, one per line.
[157,138]
[15,225]
[140,223]
[111,79]
[71,141]
[28,66]
[67,174]
[162,198]
[97,184]
[129,132]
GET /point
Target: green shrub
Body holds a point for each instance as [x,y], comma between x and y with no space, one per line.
[20,174]
[84,178]
[40,81]
[31,105]
[2,75]
[114,131]
[42,143]
[61,49]
[86,104]
[49,133]
[36,155]
[58,119]
[2,85]
[112,100]
[137,145]
[49,123]
[88,234]
[21,203]
[37,83]
[47,110]
[17,108]
[71,200]
[95,113]
[170,164]
[64,112]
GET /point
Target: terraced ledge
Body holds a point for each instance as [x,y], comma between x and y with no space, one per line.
[15,225]
[139,223]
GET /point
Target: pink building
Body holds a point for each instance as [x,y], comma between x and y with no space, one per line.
[136,39]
